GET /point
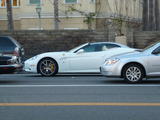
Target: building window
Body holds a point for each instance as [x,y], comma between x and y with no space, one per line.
[35,2]
[15,3]
[71,1]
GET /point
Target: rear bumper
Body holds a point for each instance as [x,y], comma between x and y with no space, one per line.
[11,68]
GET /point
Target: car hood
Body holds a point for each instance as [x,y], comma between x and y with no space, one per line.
[134,54]
[52,54]
[118,51]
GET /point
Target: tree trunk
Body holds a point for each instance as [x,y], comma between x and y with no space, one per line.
[56,15]
[10,15]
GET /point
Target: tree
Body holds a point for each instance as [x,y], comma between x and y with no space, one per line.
[10,15]
[89,16]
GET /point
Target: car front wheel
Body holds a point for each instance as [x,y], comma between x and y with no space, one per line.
[47,67]
[133,73]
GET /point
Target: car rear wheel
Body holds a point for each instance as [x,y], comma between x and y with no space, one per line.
[47,67]
[133,73]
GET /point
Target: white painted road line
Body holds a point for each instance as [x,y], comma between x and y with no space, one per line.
[13,86]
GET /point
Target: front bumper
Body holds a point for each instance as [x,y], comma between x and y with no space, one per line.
[30,66]
[111,70]
[11,68]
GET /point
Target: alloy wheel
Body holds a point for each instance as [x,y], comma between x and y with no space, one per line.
[47,67]
[133,74]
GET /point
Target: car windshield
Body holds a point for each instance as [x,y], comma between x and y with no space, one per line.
[148,47]
[72,50]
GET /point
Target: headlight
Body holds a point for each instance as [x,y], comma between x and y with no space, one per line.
[111,61]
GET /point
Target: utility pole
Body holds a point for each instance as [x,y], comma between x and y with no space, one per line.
[10,15]
[56,15]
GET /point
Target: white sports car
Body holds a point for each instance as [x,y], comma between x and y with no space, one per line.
[86,58]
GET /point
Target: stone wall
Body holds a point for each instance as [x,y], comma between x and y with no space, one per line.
[143,39]
[36,42]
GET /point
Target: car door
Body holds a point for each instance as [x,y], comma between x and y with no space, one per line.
[154,62]
[89,60]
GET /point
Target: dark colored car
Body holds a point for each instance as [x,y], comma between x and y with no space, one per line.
[9,64]
[11,54]
[9,46]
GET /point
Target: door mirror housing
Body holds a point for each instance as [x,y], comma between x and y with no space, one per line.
[80,51]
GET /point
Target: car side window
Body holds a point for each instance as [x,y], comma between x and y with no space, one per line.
[92,48]
[98,47]
[109,46]
[105,47]
[89,48]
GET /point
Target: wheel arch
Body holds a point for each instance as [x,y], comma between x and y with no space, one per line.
[137,63]
[46,58]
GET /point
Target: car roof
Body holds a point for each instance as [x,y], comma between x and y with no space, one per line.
[103,42]
[108,43]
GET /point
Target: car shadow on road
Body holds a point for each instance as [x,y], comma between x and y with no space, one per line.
[114,82]
[150,81]
[66,75]
[4,82]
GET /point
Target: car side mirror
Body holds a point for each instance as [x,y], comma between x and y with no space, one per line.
[155,52]
[80,51]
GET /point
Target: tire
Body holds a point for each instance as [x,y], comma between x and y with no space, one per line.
[133,73]
[47,67]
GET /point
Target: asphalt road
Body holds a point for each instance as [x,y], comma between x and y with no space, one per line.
[77,97]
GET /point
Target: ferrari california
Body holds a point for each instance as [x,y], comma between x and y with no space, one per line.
[85,58]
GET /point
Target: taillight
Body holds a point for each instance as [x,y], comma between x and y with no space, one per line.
[13,53]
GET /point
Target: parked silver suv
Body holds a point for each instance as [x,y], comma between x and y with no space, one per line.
[133,67]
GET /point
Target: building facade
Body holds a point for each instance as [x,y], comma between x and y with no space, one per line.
[73,14]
